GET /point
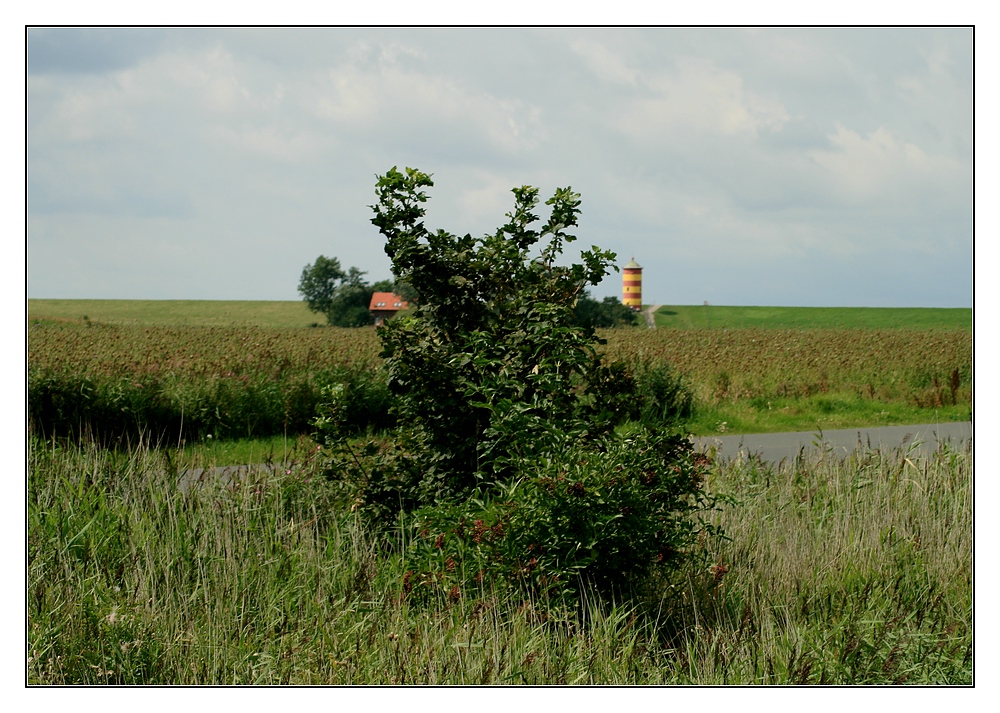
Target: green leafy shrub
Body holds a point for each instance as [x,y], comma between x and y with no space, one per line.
[604,518]
[505,444]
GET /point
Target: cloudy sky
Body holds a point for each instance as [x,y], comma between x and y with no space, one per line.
[817,167]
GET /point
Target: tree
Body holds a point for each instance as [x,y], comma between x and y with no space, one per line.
[405,291]
[609,312]
[491,347]
[343,297]
[351,299]
[319,282]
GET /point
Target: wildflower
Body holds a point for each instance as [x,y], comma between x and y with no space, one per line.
[718,571]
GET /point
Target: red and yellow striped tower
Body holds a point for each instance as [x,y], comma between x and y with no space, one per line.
[632,285]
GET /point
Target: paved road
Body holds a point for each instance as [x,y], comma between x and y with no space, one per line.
[228,475]
[648,314]
[775,447]
[771,447]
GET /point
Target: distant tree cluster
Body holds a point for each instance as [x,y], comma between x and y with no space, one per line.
[609,312]
[343,297]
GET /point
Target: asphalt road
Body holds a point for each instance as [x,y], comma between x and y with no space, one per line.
[775,447]
[228,475]
[648,315]
[770,447]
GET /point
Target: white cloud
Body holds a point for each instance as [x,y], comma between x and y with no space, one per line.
[285,145]
[211,82]
[881,168]
[487,200]
[700,98]
[84,111]
[202,86]
[604,63]
[388,96]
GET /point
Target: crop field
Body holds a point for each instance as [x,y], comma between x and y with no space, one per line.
[768,380]
[256,381]
[190,382]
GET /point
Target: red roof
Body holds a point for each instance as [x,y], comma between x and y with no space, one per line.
[386,302]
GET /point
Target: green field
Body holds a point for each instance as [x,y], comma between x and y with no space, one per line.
[192,313]
[221,313]
[722,317]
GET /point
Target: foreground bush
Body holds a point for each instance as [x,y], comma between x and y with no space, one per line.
[506,463]
[588,519]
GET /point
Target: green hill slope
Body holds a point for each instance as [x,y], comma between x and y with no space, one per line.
[722,317]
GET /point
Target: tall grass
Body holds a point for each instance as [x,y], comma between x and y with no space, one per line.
[846,571]
[854,571]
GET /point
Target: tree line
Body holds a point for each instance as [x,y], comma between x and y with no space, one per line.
[344,297]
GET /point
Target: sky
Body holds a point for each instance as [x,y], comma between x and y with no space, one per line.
[788,166]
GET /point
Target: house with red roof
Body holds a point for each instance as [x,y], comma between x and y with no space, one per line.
[384,305]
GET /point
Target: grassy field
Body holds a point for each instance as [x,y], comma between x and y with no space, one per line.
[193,313]
[836,572]
[722,317]
[217,313]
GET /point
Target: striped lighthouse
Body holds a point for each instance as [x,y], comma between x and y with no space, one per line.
[632,285]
